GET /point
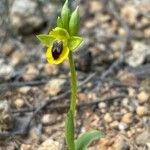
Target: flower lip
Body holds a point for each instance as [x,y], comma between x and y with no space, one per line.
[57,49]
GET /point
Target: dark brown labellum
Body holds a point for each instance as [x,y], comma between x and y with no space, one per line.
[57,49]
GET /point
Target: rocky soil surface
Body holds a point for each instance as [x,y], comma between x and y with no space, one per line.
[113,71]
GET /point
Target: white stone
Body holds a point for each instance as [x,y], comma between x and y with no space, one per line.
[46,119]
[102,105]
[6,70]
[25,15]
[141,111]
[54,86]
[50,145]
[19,103]
[138,54]
[143,97]
[24,90]
[122,126]
[108,118]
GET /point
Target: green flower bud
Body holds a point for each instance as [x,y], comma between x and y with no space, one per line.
[59,22]
[65,15]
[74,22]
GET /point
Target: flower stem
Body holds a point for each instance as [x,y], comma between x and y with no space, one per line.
[73,84]
[69,124]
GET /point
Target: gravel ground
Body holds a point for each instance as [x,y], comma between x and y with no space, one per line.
[113,71]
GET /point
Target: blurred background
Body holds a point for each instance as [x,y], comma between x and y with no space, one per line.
[113,71]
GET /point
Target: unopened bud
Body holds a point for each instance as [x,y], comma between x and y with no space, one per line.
[74,22]
[65,15]
[59,22]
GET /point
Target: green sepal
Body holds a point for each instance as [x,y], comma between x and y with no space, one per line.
[46,40]
[74,42]
[74,22]
[59,33]
[69,131]
[59,22]
[85,139]
[65,15]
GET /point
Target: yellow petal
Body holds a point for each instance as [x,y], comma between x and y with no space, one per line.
[61,58]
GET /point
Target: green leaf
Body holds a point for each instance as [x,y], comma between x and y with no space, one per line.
[74,22]
[47,40]
[65,15]
[69,131]
[74,42]
[59,22]
[85,139]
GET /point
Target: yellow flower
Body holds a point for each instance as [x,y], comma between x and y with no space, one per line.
[59,43]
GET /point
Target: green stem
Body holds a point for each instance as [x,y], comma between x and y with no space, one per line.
[73,84]
[69,124]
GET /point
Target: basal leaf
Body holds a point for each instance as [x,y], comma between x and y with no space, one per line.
[85,139]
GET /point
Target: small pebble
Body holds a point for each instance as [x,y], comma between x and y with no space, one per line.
[121,143]
[8,47]
[148,145]
[114,124]
[25,89]
[6,70]
[116,104]
[48,130]
[125,102]
[139,130]
[92,95]
[46,119]
[103,110]
[143,97]
[108,118]
[82,96]
[141,111]
[50,69]
[19,103]
[131,92]
[117,116]
[54,86]
[143,137]
[122,126]
[50,144]
[127,118]
[122,31]
[130,134]
[147,33]
[50,118]
[26,147]
[105,142]
[33,134]
[131,108]
[17,56]
[123,111]
[129,13]
[31,72]
[112,108]
[95,6]
[102,105]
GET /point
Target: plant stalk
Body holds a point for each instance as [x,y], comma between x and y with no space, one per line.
[69,124]
[73,84]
